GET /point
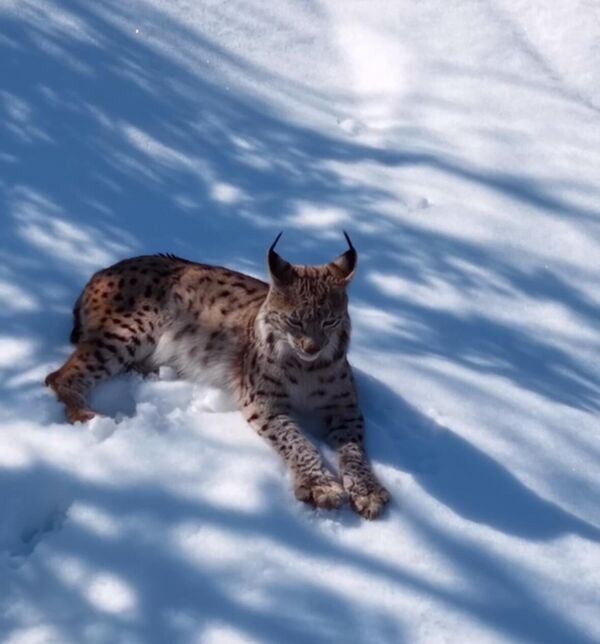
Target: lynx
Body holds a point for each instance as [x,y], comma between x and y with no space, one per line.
[278,348]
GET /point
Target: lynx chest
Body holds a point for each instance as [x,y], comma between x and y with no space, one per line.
[310,391]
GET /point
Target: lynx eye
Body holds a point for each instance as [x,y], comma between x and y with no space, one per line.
[295,323]
[329,323]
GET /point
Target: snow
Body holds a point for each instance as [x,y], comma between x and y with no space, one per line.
[459,144]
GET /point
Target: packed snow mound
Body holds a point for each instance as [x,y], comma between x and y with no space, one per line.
[459,147]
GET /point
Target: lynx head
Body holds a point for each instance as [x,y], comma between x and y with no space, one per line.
[307,306]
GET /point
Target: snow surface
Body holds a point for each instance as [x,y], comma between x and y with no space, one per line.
[459,143]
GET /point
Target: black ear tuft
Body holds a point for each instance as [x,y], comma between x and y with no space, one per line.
[272,247]
[281,271]
[347,236]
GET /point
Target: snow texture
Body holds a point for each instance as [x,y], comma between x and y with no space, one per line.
[459,144]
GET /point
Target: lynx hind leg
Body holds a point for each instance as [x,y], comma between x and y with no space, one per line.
[91,362]
[145,368]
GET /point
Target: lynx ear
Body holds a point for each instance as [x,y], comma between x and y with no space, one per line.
[346,262]
[281,271]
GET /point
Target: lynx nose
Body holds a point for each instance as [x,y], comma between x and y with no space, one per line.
[310,346]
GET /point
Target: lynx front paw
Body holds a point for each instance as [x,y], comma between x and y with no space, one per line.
[324,493]
[367,496]
[370,505]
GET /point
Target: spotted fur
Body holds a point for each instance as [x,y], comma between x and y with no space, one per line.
[279,349]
